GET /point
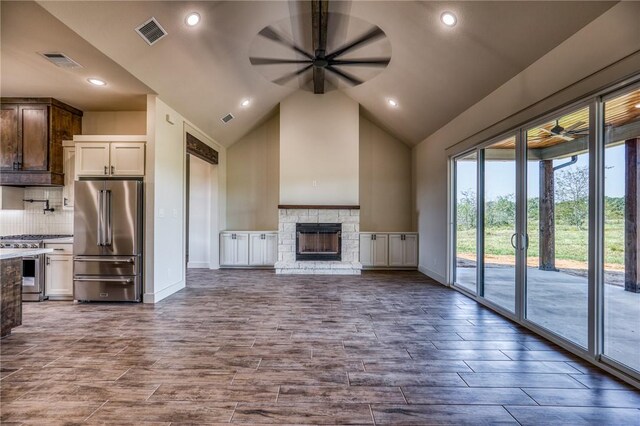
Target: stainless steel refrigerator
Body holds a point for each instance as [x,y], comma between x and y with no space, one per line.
[108,240]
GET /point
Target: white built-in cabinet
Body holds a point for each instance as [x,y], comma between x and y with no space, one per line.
[263,249]
[69,167]
[374,249]
[109,155]
[248,248]
[59,272]
[389,250]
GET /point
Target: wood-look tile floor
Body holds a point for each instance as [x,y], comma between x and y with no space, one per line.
[253,347]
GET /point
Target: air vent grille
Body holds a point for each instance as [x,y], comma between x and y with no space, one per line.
[227,118]
[61,60]
[151,31]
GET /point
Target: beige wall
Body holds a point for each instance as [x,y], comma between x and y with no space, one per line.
[596,55]
[385,180]
[114,123]
[319,146]
[253,179]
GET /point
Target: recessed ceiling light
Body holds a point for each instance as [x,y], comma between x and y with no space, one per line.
[449,19]
[192,19]
[637,106]
[97,82]
[392,102]
[245,103]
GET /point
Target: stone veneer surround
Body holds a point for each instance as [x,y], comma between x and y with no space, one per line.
[350,220]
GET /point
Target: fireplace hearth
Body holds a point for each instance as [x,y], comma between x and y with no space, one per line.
[318,241]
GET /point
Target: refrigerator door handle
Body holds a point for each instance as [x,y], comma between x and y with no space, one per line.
[100,218]
[108,236]
[108,280]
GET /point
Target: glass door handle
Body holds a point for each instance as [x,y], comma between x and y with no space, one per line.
[512,243]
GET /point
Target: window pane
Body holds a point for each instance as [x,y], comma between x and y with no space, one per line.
[466,216]
[558,225]
[500,223]
[622,178]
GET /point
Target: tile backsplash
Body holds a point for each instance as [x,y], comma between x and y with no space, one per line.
[32,220]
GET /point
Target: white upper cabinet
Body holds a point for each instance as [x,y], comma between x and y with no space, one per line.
[92,159]
[109,155]
[127,159]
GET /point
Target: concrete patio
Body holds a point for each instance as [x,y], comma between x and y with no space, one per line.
[558,301]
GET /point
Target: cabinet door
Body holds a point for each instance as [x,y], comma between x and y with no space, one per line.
[9,137]
[271,249]
[380,250]
[59,275]
[242,249]
[410,248]
[396,250]
[34,126]
[127,159]
[366,249]
[92,159]
[227,249]
[69,162]
[256,249]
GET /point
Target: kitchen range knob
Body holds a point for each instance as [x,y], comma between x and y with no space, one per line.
[34,246]
[25,245]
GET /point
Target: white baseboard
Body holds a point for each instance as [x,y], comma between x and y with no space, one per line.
[166,292]
[197,265]
[433,275]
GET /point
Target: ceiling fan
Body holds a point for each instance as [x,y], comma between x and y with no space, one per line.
[321,61]
[569,133]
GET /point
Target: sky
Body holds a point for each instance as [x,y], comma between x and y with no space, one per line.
[501,176]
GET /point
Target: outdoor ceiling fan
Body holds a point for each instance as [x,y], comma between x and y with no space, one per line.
[569,133]
[321,61]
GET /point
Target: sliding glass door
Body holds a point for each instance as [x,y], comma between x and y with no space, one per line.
[466,216]
[499,227]
[557,243]
[546,226]
[621,234]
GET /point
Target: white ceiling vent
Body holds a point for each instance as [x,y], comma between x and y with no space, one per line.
[227,118]
[61,60]
[151,31]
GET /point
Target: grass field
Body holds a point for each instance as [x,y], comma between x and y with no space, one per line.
[571,243]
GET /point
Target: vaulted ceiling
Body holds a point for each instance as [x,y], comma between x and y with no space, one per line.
[204,72]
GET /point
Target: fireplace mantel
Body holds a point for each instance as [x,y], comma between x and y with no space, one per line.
[318,207]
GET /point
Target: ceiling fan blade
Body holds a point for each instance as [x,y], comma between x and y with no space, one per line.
[369,62]
[319,21]
[351,79]
[574,126]
[284,79]
[271,34]
[372,35]
[318,80]
[274,61]
[547,131]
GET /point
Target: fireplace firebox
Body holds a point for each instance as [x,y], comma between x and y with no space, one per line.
[318,241]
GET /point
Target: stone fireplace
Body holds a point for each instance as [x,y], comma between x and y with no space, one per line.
[318,240]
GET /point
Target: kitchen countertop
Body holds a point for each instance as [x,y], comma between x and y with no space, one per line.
[65,240]
[13,253]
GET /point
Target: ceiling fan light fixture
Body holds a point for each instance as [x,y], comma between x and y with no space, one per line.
[449,19]
[97,81]
[192,19]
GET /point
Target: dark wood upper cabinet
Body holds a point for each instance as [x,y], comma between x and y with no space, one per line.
[31,140]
